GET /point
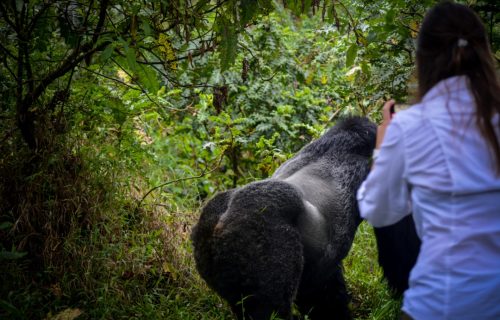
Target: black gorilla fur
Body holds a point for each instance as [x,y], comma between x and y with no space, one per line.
[398,248]
[282,240]
[270,243]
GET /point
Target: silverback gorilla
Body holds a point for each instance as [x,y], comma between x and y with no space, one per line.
[280,241]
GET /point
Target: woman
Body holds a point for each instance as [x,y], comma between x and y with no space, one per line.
[440,159]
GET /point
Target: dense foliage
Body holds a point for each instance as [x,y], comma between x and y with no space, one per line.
[118,118]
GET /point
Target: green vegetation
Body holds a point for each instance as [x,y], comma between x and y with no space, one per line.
[119,118]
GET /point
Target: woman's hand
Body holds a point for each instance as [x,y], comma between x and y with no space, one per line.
[386,119]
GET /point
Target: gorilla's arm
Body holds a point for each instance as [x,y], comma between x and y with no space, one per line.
[398,248]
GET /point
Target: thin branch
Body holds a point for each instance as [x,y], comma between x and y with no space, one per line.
[352,23]
[4,12]
[196,54]
[183,85]
[102,19]
[111,78]
[24,16]
[7,135]
[348,14]
[143,90]
[34,19]
[155,65]
[7,66]
[248,49]
[215,7]
[20,71]
[270,78]
[399,46]
[412,14]
[8,52]
[27,62]
[87,14]
[409,28]
[323,11]
[203,173]
[70,62]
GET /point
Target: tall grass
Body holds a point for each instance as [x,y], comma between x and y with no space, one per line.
[371,298]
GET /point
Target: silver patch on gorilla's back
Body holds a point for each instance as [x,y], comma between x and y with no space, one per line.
[312,227]
[318,193]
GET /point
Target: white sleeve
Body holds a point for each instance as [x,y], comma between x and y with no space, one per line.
[384,196]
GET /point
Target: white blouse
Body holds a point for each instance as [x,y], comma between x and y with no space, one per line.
[434,163]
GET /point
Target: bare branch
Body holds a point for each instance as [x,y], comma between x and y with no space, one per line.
[87,14]
[187,56]
[203,173]
[70,62]
[32,24]
[413,13]
[8,52]
[7,66]
[102,19]
[219,4]
[111,78]
[5,15]
[143,90]
[27,62]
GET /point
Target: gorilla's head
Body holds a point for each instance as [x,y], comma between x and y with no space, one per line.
[350,135]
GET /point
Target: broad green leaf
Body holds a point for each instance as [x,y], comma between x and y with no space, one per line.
[106,54]
[148,78]
[5,225]
[131,60]
[146,27]
[351,55]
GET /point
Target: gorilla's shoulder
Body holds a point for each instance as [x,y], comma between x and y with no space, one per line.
[350,135]
[354,124]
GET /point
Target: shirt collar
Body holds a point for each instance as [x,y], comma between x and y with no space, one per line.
[447,87]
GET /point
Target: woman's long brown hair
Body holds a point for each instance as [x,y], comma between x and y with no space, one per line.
[443,53]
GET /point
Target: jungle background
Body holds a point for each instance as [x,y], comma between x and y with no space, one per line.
[118,119]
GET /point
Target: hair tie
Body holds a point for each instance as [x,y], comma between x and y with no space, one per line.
[462,42]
